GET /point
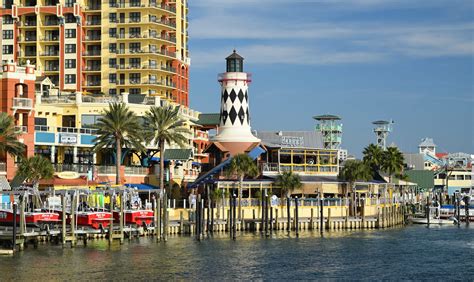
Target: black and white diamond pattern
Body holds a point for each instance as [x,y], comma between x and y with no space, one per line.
[232,115]
[234,107]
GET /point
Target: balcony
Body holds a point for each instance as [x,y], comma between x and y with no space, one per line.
[91,53]
[51,68]
[3,167]
[51,38]
[91,68]
[92,38]
[21,129]
[92,84]
[29,23]
[93,8]
[22,104]
[51,23]
[92,23]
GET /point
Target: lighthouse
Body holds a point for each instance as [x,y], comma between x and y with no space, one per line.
[234,125]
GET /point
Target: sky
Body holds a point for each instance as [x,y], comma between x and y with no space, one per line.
[363,60]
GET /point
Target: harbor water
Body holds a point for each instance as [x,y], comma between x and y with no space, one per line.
[413,252]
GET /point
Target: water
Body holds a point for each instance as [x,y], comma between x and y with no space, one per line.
[414,252]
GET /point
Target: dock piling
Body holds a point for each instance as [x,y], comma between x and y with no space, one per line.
[296,217]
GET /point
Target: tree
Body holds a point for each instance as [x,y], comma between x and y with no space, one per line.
[352,171]
[242,165]
[288,181]
[373,157]
[164,125]
[118,128]
[9,143]
[392,162]
[34,169]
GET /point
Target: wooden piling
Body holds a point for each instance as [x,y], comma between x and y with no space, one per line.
[311,220]
[111,226]
[288,226]
[296,217]
[234,220]
[321,214]
[63,219]
[15,206]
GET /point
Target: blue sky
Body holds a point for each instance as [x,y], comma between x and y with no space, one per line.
[364,60]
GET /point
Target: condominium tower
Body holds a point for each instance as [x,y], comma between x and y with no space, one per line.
[102,47]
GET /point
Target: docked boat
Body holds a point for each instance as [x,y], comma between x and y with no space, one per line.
[434,221]
[136,217]
[94,219]
[34,219]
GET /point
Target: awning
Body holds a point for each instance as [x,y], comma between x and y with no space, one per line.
[141,186]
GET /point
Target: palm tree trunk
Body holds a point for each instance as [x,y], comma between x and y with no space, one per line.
[240,196]
[118,160]
[162,166]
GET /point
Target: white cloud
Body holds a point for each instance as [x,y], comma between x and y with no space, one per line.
[262,37]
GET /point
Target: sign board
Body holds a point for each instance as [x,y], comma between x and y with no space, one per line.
[292,141]
[68,175]
[68,138]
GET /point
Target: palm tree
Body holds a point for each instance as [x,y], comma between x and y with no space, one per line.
[288,181]
[117,128]
[392,162]
[165,126]
[373,157]
[242,165]
[352,171]
[34,169]
[9,143]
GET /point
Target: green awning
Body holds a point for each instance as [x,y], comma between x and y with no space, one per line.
[178,154]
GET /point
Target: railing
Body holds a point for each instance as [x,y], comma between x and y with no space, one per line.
[136,170]
[30,23]
[93,7]
[151,5]
[58,99]
[88,68]
[54,68]
[42,128]
[3,167]
[92,38]
[107,99]
[88,23]
[23,103]
[20,129]
[91,53]
[67,129]
[51,38]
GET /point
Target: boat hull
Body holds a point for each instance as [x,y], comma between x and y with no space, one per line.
[96,220]
[31,218]
[138,217]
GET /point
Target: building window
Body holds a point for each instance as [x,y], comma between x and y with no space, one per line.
[112,63]
[134,91]
[134,78]
[134,47]
[8,34]
[69,18]
[113,32]
[70,48]
[7,49]
[135,3]
[70,78]
[134,62]
[88,121]
[70,63]
[113,78]
[7,19]
[70,33]
[112,91]
[112,3]
[135,17]
[113,17]
[70,3]
[113,47]
[134,32]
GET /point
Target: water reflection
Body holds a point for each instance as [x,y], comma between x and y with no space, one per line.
[374,254]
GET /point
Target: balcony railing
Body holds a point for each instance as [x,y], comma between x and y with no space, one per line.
[51,38]
[3,167]
[52,68]
[42,128]
[89,68]
[30,23]
[91,53]
[23,103]
[49,54]
[92,38]
[136,170]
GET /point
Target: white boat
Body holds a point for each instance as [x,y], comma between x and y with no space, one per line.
[434,221]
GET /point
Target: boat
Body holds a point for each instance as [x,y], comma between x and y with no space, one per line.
[94,219]
[32,219]
[136,217]
[433,221]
